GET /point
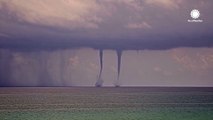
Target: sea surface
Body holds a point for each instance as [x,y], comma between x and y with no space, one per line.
[107,103]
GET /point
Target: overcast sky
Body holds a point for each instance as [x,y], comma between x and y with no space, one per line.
[160,27]
[155,23]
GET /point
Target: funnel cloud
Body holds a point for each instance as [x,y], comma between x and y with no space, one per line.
[100,81]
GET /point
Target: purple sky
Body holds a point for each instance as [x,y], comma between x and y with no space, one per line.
[128,24]
[173,51]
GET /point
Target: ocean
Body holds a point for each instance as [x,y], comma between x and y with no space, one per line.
[106,103]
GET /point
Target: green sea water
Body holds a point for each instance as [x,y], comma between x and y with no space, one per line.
[103,104]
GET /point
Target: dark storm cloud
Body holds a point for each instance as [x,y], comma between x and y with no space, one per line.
[107,24]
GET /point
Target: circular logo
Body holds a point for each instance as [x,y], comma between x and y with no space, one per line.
[195,14]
